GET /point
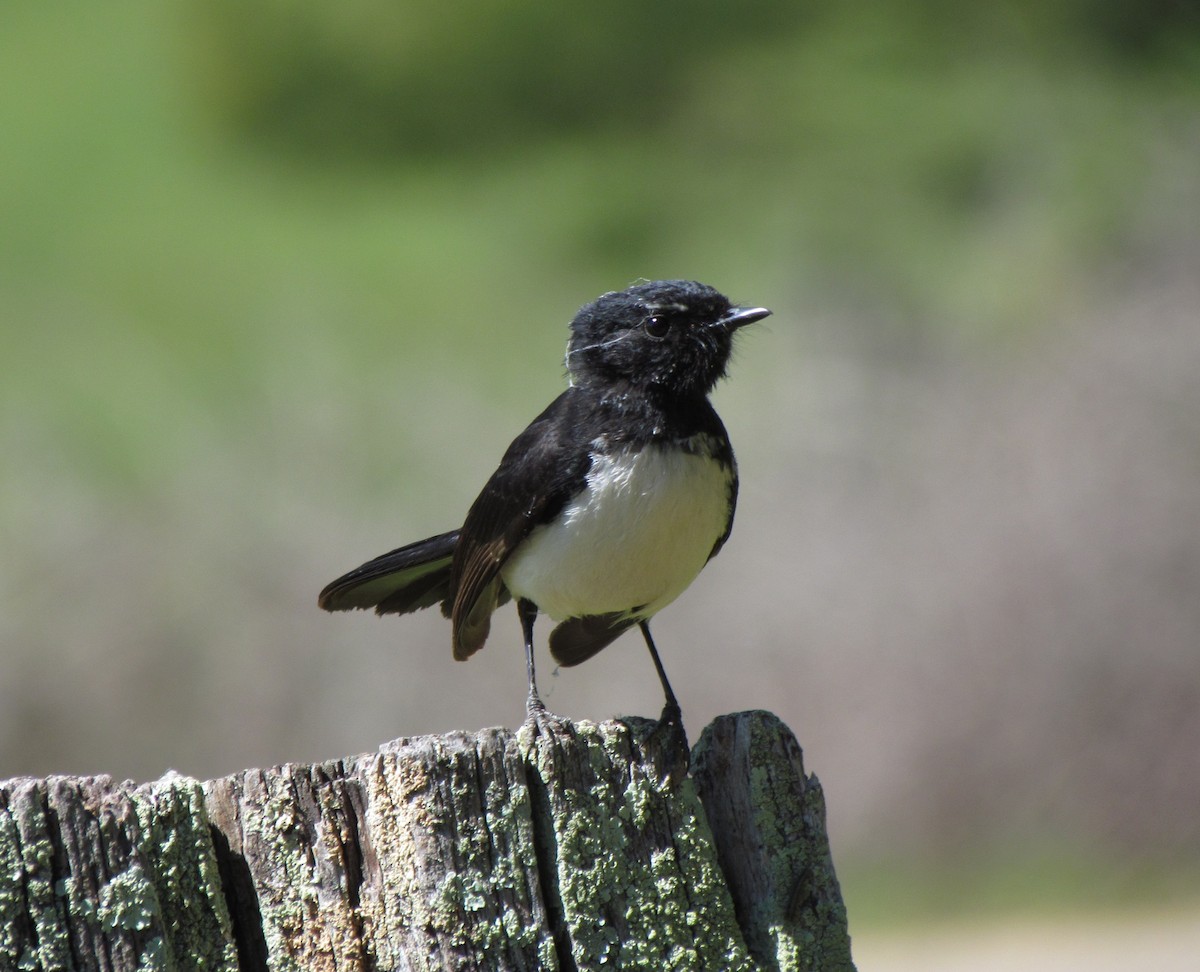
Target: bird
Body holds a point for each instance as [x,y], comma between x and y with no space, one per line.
[606,507]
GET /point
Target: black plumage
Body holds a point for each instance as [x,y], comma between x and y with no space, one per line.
[634,437]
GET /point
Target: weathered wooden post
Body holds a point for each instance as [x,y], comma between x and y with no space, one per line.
[576,849]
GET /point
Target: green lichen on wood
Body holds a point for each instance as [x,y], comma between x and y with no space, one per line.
[478,807]
[295,826]
[128,902]
[452,832]
[777,856]
[801,913]
[636,869]
[13,907]
[576,845]
[34,934]
[90,866]
[273,828]
[176,843]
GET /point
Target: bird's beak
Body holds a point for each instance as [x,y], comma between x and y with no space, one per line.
[741,316]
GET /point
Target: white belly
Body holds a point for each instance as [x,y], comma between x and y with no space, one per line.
[636,536]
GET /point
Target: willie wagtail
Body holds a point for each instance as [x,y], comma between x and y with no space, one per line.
[606,507]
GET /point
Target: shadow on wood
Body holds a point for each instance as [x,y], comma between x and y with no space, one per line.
[575,848]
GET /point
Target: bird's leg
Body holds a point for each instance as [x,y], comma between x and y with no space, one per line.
[667,746]
[542,722]
[527,611]
[671,711]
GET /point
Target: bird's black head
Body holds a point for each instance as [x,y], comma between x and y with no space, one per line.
[669,335]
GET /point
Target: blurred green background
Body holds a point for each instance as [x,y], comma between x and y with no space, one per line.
[279,282]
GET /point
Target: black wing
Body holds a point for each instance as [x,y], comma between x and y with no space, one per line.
[724,455]
[544,467]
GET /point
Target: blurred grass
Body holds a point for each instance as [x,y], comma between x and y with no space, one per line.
[230,332]
[955,185]
[146,256]
[1006,885]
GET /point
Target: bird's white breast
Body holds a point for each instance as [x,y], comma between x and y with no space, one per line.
[634,538]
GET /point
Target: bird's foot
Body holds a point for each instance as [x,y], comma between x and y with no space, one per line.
[667,746]
[541,721]
[672,715]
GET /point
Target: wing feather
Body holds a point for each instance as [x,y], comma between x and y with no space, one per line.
[545,465]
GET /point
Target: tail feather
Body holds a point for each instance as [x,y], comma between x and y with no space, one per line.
[577,639]
[407,579]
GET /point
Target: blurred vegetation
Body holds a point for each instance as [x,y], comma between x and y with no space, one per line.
[956,163]
[218,181]
[376,80]
[994,881]
[245,248]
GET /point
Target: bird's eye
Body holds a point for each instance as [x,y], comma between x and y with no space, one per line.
[657,326]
